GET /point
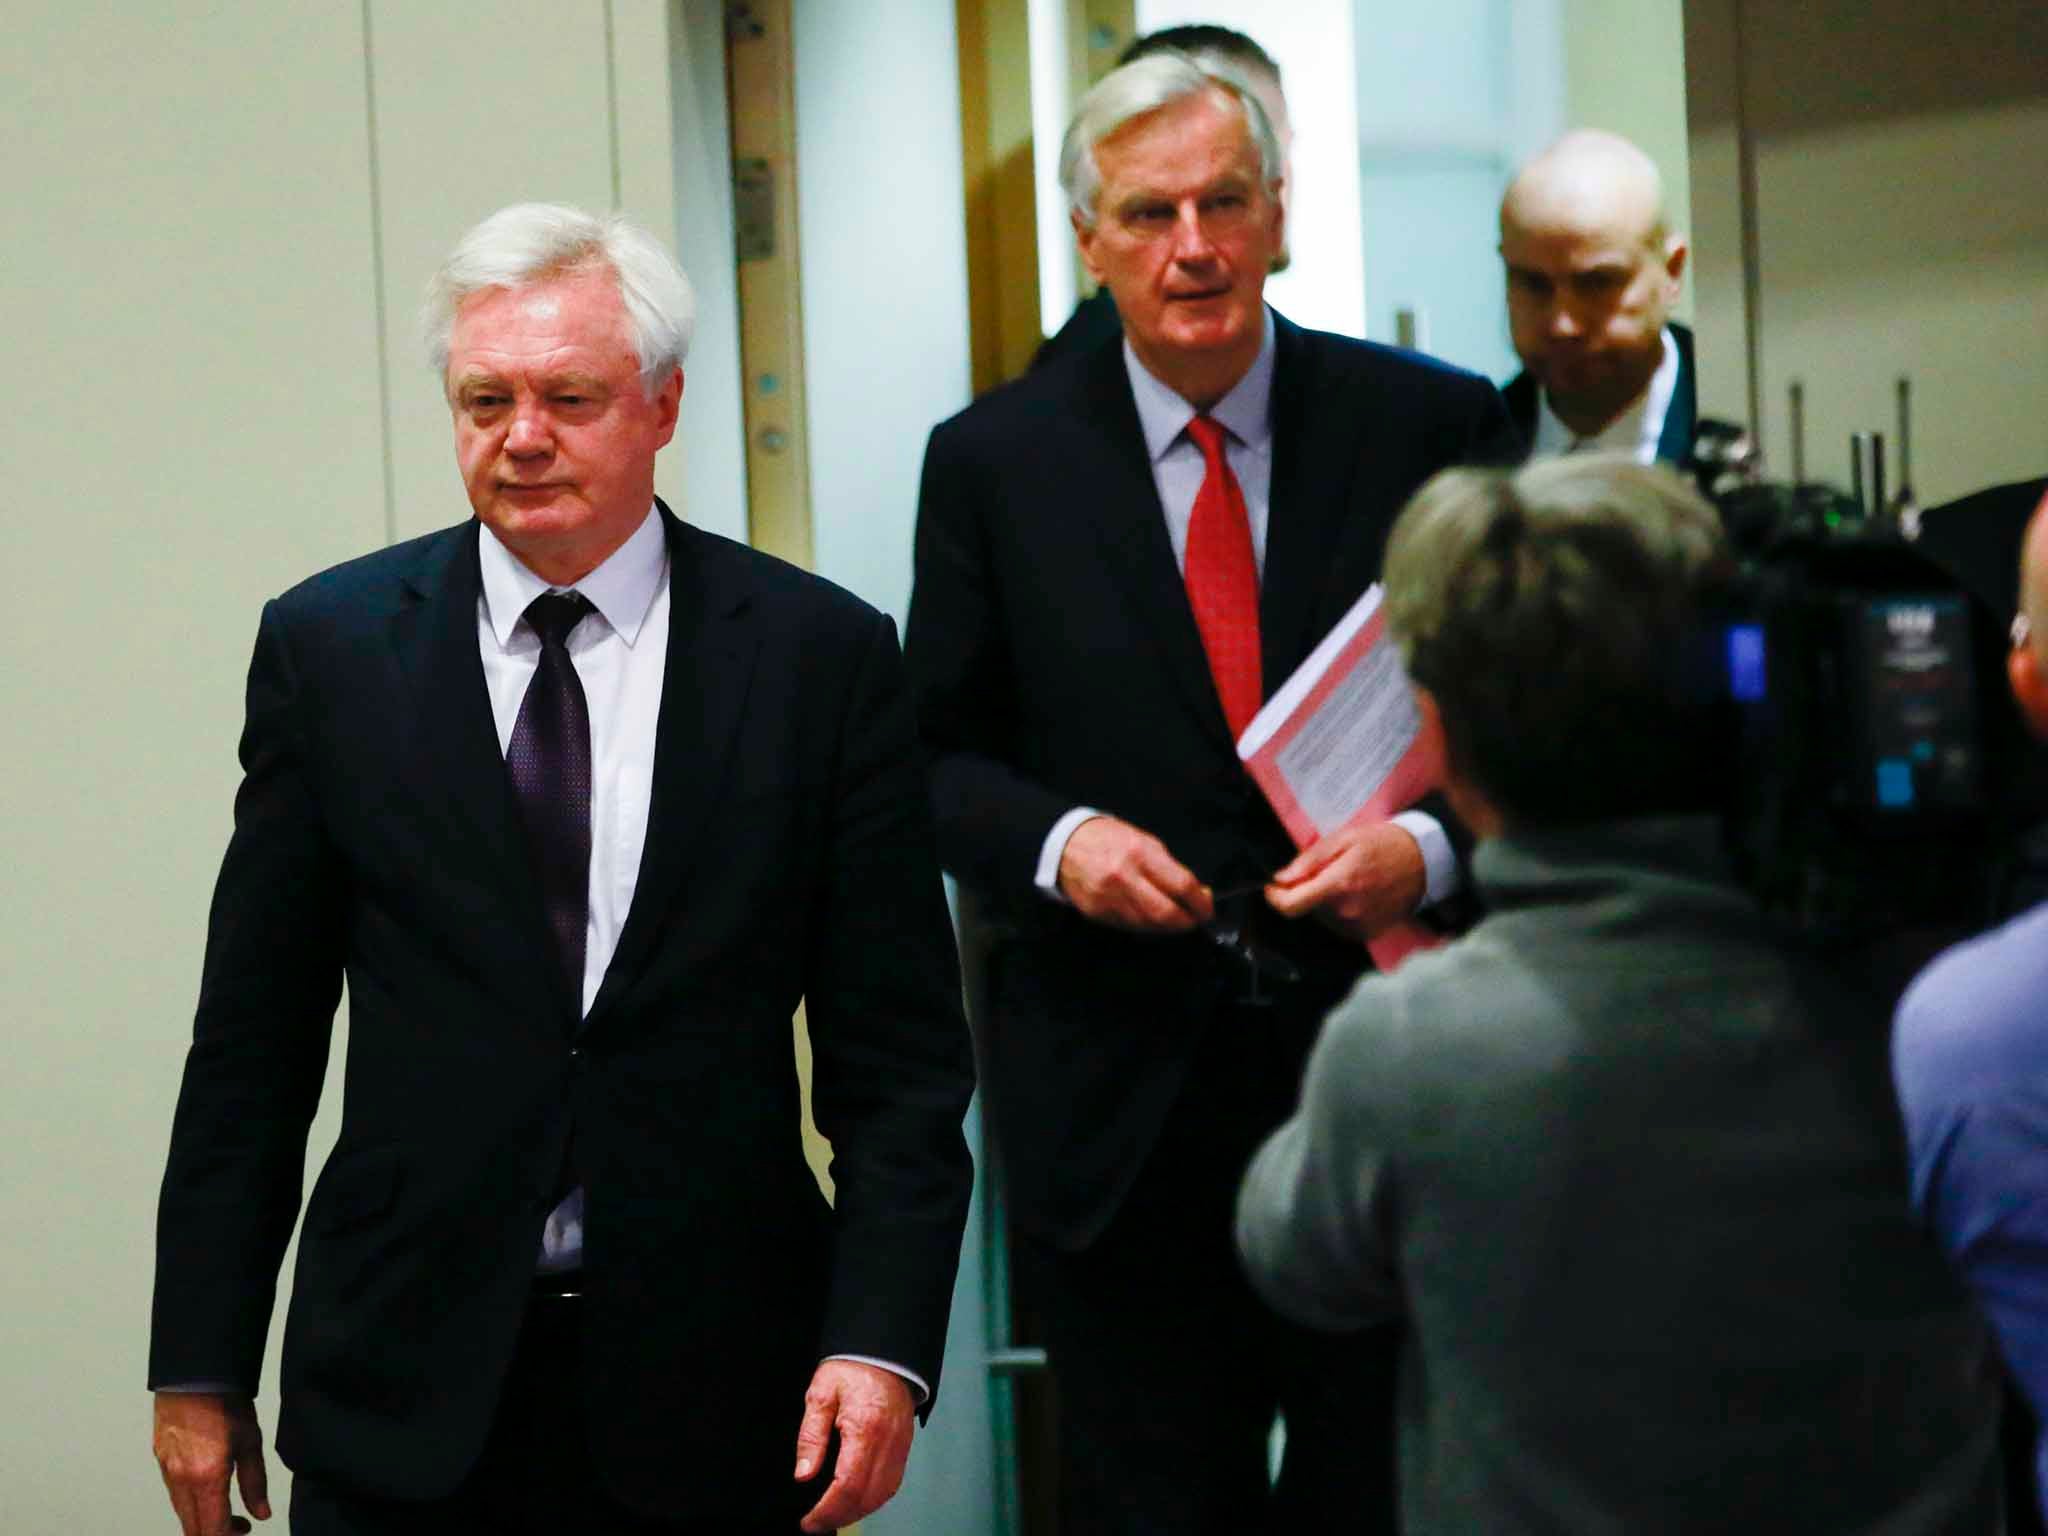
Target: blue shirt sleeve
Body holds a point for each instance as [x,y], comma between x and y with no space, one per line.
[1985,1196]
[1970,1055]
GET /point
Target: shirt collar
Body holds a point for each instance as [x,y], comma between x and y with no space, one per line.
[1246,412]
[1636,431]
[622,589]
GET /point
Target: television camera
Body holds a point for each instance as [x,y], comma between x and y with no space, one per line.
[1880,775]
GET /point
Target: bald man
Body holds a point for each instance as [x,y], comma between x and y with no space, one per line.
[1593,268]
[1970,1054]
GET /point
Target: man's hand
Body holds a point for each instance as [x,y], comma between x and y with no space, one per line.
[1115,874]
[1358,880]
[872,1410]
[202,1439]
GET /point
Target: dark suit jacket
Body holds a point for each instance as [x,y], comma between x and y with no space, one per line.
[1057,664]
[1977,539]
[1674,444]
[1093,321]
[788,857]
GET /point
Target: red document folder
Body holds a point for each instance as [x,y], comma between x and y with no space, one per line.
[1341,742]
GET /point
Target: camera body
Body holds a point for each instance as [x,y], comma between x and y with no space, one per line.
[1864,687]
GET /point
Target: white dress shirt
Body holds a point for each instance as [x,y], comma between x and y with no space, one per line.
[1636,431]
[1178,469]
[621,680]
[621,656]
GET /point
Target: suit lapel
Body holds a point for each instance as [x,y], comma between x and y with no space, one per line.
[1132,527]
[1316,435]
[1674,443]
[458,767]
[1519,396]
[712,648]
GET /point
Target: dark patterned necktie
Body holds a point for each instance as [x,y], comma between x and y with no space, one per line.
[550,763]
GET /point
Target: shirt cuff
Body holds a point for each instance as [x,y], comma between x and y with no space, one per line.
[1439,859]
[920,1389]
[1047,878]
[216,1388]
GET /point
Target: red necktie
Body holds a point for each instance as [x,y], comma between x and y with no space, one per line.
[1223,580]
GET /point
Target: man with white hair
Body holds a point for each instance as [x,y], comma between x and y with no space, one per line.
[1593,268]
[581,803]
[1118,558]
[1216,49]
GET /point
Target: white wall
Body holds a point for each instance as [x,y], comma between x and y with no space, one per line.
[881,213]
[1900,155]
[1442,94]
[882,224]
[1946,283]
[193,423]
[709,455]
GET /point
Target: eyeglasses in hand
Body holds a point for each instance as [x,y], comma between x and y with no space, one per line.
[1261,969]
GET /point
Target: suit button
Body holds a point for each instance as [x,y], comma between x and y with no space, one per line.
[579,1059]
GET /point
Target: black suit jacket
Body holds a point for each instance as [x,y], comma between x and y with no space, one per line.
[1681,419]
[1093,322]
[788,857]
[1056,664]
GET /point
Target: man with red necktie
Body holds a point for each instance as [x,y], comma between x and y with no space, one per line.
[1118,558]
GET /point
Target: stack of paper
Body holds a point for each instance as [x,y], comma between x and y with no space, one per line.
[1341,742]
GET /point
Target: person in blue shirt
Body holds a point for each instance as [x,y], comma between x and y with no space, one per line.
[1970,1056]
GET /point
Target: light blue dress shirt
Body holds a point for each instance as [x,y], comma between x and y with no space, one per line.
[1970,1055]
